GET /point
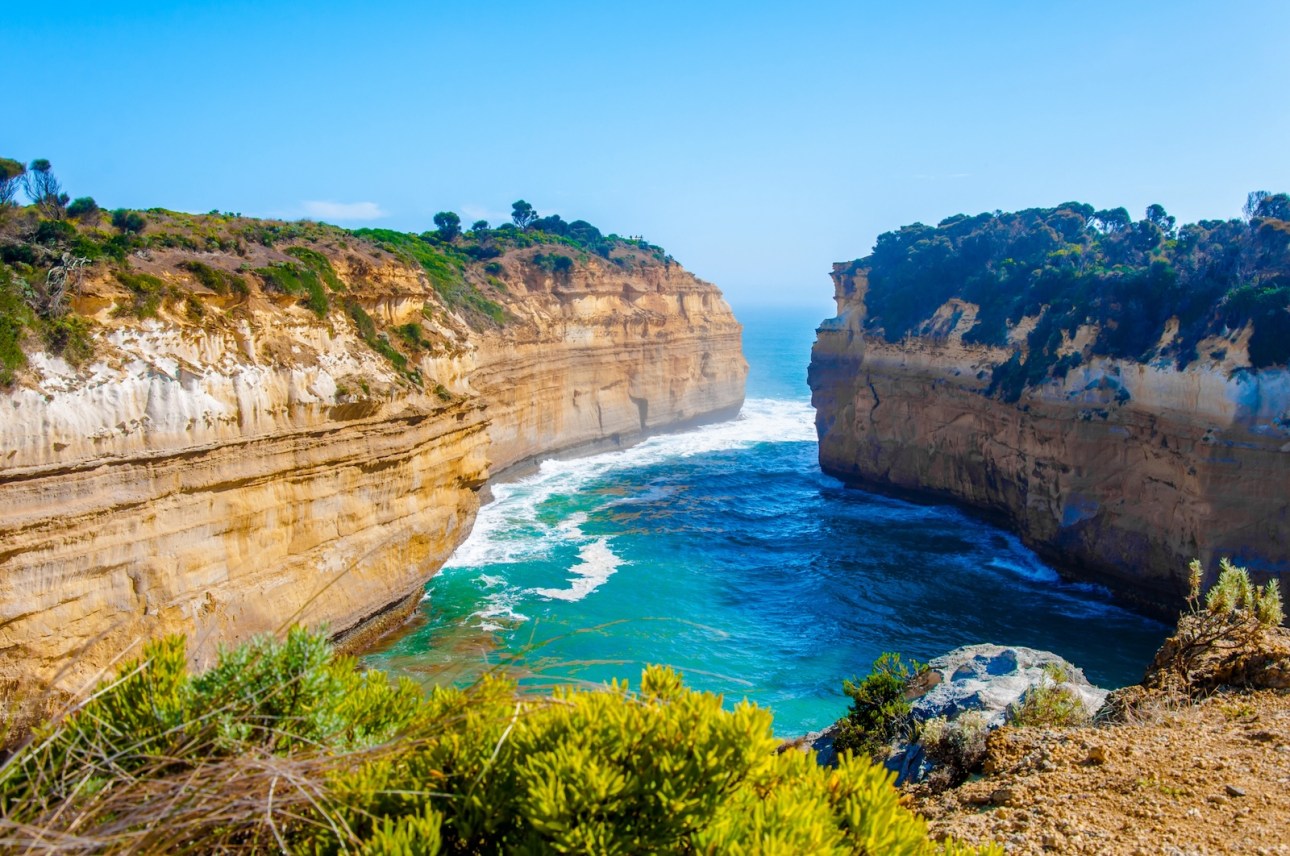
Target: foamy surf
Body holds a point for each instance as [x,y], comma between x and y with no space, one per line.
[597,564]
[512,528]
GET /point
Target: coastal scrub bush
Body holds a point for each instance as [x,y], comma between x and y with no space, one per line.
[298,281]
[879,712]
[220,281]
[319,264]
[147,291]
[1236,600]
[285,746]
[129,222]
[1071,267]
[1219,640]
[1049,704]
[367,332]
[956,745]
[15,316]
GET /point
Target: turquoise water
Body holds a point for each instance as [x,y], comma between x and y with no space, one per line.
[725,552]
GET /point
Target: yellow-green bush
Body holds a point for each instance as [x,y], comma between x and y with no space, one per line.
[284,746]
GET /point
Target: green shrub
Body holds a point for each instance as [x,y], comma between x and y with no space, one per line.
[129,222]
[367,332]
[148,292]
[1076,266]
[69,337]
[297,281]
[879,712]
[284,746]
[15,317]
[319,264]
[85,210]
[414,335]
[1049,706]
[220,281]
[956,745]
[1234,598]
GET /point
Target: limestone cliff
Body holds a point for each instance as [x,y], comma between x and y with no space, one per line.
[235,461]
[1120,471]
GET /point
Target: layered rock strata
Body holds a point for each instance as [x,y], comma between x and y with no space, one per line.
[236,468]
[1120,473]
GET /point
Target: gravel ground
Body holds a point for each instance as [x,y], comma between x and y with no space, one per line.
[1213,777]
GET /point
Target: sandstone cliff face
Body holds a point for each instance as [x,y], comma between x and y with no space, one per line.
[1120,473]
[260,466]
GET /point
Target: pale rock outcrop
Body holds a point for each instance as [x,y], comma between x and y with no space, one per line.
[989,680]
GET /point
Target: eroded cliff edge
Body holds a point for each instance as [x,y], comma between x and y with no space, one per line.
[232,460]
[1117,469]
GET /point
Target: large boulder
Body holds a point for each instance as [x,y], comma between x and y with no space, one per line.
[993,679]
[990,680]
[987,680]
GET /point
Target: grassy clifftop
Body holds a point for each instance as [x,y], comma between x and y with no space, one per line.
[1149,290]
[60,269]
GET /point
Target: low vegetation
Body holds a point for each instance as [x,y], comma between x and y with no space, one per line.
[169,263]
[285,746]
[1073,265]
[1222,636]
[957,746]
[879,713]
[1050,704]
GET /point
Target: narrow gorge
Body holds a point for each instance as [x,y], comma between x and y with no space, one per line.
[1115,392]
[296,428]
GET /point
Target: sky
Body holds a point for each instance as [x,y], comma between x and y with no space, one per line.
[757,142]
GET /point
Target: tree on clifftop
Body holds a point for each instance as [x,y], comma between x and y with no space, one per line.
[11,172]
[449,225]
[44,189]
[523,214]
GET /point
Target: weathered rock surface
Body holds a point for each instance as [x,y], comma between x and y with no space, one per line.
[259,467]
[1120,473]
[991,680]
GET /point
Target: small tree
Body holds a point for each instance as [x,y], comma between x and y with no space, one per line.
[1252,200]
[879,711]
[129,222]
[1274,206]
[479,226]
[44,189]
[1156,214]
[449,225]
[522,214]
[11,173]
[86,210]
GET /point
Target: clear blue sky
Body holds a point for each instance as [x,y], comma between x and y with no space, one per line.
[757,142]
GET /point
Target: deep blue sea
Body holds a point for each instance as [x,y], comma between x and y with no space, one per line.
[726,553]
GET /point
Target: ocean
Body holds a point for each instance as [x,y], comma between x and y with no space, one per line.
[724,552]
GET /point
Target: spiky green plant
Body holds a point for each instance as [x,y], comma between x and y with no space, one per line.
[284,746]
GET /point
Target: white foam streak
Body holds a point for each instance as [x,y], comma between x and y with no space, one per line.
[597,564]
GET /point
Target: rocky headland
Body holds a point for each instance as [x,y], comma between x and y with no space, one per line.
[229,426]
[1116,392]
